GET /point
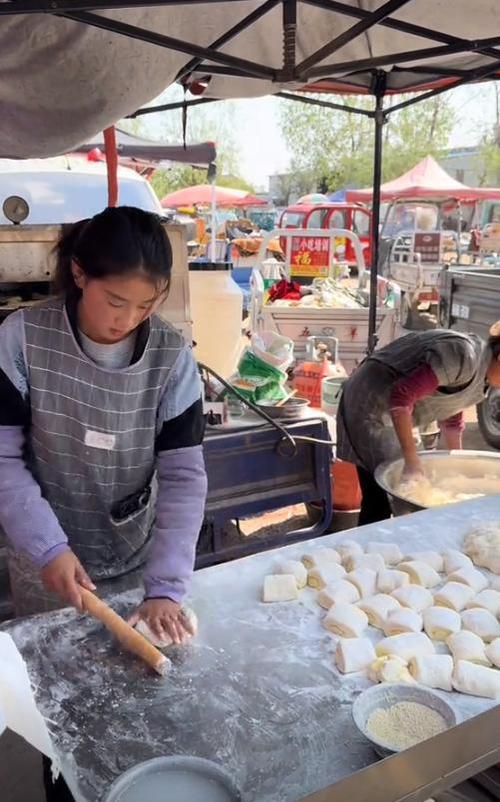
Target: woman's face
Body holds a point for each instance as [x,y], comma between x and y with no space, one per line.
[493,375]
[111,308]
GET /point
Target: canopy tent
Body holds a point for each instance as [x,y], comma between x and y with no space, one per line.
[227,49]
[426,180]
[134,147]
[206,194]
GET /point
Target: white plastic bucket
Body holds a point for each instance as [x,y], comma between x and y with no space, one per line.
[216,309]
[330,394]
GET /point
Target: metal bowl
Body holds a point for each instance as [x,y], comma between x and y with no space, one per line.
[385,696]
[293,408]
[473,464]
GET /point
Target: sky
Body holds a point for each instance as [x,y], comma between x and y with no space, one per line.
[263,150]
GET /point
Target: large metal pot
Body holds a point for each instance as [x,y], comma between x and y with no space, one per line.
[473,464]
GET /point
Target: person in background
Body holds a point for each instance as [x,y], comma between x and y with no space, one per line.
[102,478]
[419,378]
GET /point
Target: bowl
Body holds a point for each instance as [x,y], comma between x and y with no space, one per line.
[386,695]
[472,464]
[293,408]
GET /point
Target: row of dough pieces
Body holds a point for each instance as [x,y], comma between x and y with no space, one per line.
[406,654]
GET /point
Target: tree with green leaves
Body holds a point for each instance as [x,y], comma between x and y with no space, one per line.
[334,149]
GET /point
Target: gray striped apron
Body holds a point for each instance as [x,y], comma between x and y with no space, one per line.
[365,434]
[91,448]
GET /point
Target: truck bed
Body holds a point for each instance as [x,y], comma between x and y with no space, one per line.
[470,299]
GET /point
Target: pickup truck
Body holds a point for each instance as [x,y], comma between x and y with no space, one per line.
[470,302]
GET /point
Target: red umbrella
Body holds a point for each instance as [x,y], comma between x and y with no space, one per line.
[201,195]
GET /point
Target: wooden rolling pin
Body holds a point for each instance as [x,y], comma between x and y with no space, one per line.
[127,635]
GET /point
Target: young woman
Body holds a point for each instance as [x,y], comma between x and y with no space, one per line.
[422,377]
[102,479]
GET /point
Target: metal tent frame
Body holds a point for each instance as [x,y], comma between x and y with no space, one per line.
[365,76]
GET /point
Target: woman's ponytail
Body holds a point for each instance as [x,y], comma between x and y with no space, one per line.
[66,250]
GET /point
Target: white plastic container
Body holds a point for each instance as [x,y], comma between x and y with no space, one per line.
[216,310]
[330,394]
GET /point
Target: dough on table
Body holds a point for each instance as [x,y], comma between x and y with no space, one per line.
[364,579]
[432,558]
[433,670]
[401,620]
[294,567]
[482,623]
[489,599]
[467,646]
[454,560]
[420,573]
[471,577]
[454,595]
[161,643]
[390,668]
[441,622]
[372,562]
[388,579]
[414,596]
[346,620]
[337,593]
[406,646]
[280,588]
[493,652]
[316,558]
[495,583]
[348,549]
[476,680]
[390,552]
[354,654]
[482,544]
[321,577]
[377,608]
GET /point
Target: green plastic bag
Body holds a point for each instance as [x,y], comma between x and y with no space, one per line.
[258,381]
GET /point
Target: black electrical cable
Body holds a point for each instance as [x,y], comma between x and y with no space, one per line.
[292,440]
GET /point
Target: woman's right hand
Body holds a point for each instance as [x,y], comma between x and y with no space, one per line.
[65,575]
[412,469]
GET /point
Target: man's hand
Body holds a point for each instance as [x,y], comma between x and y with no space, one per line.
[64,575]
[163,617]
[412,469]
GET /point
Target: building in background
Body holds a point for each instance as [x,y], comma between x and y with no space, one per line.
[466,165]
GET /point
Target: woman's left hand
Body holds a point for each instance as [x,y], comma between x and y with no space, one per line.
[163,617]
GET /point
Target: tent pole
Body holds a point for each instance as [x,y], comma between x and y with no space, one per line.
[379,118]
[212,176]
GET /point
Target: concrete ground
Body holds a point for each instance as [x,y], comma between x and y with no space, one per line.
[20,765]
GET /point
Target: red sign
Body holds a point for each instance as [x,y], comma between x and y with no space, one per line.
[310,256]
[428,246]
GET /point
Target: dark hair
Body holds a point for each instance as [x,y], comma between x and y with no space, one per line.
[494,345]
[117,241]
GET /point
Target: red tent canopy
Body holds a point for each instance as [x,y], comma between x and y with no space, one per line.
[201,195]
[426,180]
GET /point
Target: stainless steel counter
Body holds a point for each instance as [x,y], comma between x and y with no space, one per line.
[256,691]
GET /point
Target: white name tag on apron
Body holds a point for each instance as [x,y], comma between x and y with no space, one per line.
[100,440]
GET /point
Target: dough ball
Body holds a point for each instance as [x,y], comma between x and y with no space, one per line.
[414,596]
[476,680]
[317,558]
[337,593]
[406,646]
[493,652]
[390,668]
[482,544]
[470,576]
[431,558]
[321,577]
[354,654]
[390,552]
[489,599]
[389,579]
[420,573]
[454,560]
[294,567]
[162,643]
[280,588]
[372,562]
[454,595]
[433,670]
[468,646]
[349,549]
[482,623]
[346,620]
[377,608]
[401,620]
[441,622]
[364,579]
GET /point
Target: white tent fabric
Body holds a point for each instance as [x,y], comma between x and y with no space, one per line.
[62,81]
